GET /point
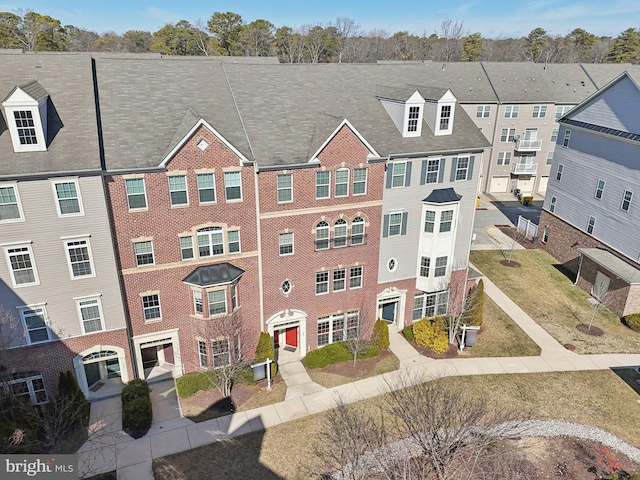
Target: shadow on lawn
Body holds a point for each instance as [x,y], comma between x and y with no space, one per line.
[568,269]
[233,458]
[630,376]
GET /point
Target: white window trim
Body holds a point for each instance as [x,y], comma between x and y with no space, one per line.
[591,225]
[482,109]
[418,131]
[316,283]
[345,227]
[215,193]
[33,264]
[404,174]
[437,172]
[328,185]
[21,218]
[57,200]
[201,354]
[32,392]
[153,254]
[67,248]
[226,196]
[144,192]
[358,234]
[186,190]
[227,352]
[624,199]
[566,138]
[344,279]
[144,309]
[542,111]
[601,190]
[391,214]
[226,306]
[98,300]
[335,186]
[324,228]
[353,181]
[361,277]
[278,188]
[466,169]
[281,244]
[36,306]
[193,253]
[449,129]
[41,145]
[513,111]
[195,310]
[210,242]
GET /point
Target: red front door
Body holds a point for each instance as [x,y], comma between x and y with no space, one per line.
[291,336]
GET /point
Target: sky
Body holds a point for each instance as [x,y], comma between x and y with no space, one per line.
[492,18]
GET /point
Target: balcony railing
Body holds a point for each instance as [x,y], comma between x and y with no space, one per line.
[528,145]
[524,168]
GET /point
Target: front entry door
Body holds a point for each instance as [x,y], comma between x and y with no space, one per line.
[92,371]
[389,311]
[291,336]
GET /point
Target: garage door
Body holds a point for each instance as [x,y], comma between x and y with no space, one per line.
[499,184]
[542,187]
[526,185]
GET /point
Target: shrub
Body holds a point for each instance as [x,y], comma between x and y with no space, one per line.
[474,305]
[264,350]
[69,391]
[408,333]
[335,353]
[381,334]
[137,412]
[632,321]
[191,383]
[430,333]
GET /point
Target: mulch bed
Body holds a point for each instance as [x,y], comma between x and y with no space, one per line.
[346,369]
[427,352]
[511,263]
[593,331]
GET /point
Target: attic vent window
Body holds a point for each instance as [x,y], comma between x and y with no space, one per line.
[26,127]
[202,144]
[414,115]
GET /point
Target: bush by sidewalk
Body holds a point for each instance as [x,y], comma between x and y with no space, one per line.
[137,412]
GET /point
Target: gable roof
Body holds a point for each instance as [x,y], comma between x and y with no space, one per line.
[71,124]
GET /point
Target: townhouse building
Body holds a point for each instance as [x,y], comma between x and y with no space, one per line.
[589,218]
[59,287]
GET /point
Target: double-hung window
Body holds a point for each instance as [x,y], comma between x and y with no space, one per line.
[395,223]
[339,327]
[285,188]
[151,307]
[511,111]
[22,266]
[483,111]
[221,353]
[552,204]
[446,218]
[217,302]
[186,248]
[26,127]
[591,224]
[559,172]
[549,158]
[233,238]
[567,137]
[91,315]
[197,303]
[342,183]
[504,158]
[355,277]
[433,171]
[178,190]
[357,231]
[430,304]
[445,117]
[233,185]
[414,117]
[67,198]
[202,354]
[322,235]
[554,135]
[626,200]
[10,210]
[136,193]
[322,184]
[31,387]
[441,267]
[560,111]
[144,253]
[285,243]
[599,189]
[322,283]
[507,134]
[539,111]
[340,233]
[206,188]
[79,255]
[462,168]
[359,181]
[429,221]
[425,263]
[210,242]
[339,279]
[35,324]
[399,173]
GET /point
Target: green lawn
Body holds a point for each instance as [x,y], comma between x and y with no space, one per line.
[551,299]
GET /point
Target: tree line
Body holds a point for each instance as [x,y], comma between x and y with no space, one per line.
[228,34]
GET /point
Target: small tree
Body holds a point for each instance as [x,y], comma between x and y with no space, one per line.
[264,350]
[513,242]
[381,334]
[600,293]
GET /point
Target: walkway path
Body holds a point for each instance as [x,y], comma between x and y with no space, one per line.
[173,434]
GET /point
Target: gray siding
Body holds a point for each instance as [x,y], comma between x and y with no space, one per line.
[589,158]
[409,199]
[43,229]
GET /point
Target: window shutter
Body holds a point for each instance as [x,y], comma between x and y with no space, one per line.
[403,230]
[407,175]
[443,162]
[423,173]
[385,228]
[470,170]
[454,165]
[389,174]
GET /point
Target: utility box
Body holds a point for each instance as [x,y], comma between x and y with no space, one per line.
[527,200]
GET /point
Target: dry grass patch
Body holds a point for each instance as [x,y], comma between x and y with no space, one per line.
[500,336]
[329,379]
[599,398]
[551,299]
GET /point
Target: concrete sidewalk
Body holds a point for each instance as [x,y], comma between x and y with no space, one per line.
[172,434]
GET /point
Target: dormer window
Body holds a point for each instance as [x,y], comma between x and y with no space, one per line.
[414,116]
[444,113]
[445,117]
[26,113]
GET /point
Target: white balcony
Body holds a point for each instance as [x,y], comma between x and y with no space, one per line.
[528,145]
[524,168]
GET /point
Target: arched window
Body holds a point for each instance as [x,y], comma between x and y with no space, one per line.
[357,231]
[322,235]
[340,233]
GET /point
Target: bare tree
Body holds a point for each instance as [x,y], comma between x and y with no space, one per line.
[463,311]
[449,45]
[512,243]
[599,296]
[348,30]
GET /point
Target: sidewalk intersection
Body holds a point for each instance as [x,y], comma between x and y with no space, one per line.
[173,433]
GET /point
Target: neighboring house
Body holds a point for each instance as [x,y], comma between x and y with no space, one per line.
[58,276]
[590,217]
